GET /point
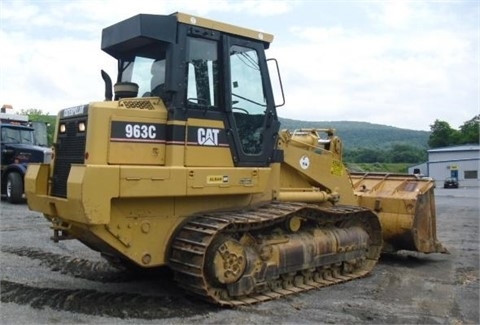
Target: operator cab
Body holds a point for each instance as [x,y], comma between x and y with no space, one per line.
[201,69]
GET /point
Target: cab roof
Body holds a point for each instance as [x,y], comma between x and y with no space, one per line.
[142,29]
[216,25]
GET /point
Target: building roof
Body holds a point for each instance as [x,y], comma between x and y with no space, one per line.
[465,147]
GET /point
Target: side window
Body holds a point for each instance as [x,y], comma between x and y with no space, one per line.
[4,135]
[202,79]
[147,73]
[248,98]
[247,89]
[157,80]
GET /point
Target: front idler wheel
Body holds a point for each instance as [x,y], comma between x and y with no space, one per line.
[229,261]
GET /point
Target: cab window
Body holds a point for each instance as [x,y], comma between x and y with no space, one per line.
[202,77]
[248,98]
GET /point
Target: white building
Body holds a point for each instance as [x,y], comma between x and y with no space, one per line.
[462,162]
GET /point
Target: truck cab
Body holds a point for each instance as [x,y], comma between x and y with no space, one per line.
[22,142]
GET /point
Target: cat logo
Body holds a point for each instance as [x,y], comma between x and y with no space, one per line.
[207,137]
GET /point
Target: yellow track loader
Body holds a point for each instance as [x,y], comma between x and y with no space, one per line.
[184,164]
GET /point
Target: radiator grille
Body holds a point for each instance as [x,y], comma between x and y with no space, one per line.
[69,149]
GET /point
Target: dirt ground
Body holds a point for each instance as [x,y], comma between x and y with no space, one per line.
[43,282]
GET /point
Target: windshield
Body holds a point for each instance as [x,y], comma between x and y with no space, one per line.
[17,135]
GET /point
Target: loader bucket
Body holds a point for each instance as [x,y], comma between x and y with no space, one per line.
[405,205]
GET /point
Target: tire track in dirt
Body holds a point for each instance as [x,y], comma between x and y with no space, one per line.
[99,303]
[92,302]
[81,268]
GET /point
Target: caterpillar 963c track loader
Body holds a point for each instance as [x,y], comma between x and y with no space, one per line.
[184,165]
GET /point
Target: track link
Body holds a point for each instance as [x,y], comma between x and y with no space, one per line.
[191,257]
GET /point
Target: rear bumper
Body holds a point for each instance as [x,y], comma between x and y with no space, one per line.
[89,191]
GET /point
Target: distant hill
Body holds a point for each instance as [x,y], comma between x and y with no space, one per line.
[364,134]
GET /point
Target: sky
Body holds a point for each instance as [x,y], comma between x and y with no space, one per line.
[399,63]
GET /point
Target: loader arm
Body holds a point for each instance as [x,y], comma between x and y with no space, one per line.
[312,169]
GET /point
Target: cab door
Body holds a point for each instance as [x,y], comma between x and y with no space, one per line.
[225,79]
[249,103]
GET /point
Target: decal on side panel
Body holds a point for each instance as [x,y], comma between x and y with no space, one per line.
[209,137]
[137,132]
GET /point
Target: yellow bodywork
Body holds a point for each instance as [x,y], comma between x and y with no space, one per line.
[312,171]
[130,198]
[217,25]
[134,207]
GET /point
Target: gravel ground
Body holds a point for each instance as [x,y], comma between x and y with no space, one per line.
[66,283]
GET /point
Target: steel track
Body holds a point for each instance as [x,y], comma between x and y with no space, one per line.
[189,250]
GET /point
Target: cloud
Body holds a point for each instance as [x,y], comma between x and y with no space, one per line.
[396,13]
[402,76]
[401,63]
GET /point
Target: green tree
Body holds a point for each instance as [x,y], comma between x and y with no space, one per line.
[442,135]
[365,155]
[405,153]
[469,131]
[37,115]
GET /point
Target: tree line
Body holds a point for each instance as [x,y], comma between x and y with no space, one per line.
[442,135]
[398,153]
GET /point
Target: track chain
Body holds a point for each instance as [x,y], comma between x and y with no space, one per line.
[190,245]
